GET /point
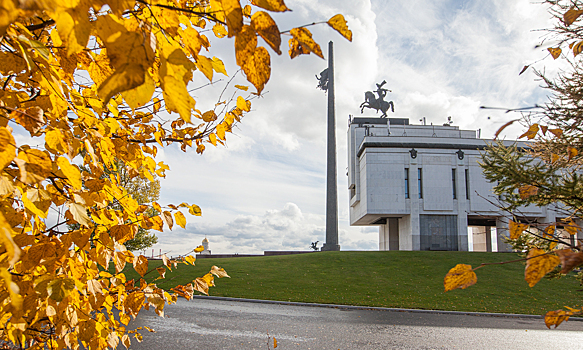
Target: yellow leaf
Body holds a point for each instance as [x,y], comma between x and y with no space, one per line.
[556,132]
[555,318]
[554,158]
[141,265]
[60,288]
[55,141]
[200,285]
[544,129]
[119,260]
[304,37]
[233,16]
[177,98]
[266,27]
[242,87]
[125,78]
[140,95]
[527,191]
[71,172]
[271,5]
[571,16]
[219,66]
[79,213]
[339,24]
[32,119]
[257,68]
[205,65]
[35,165]
[167,217]
[555,52]
[161,272]
[122,233]
[209,116]
[571,227]
[219,30]
[461,276]
[245,45]
[198,249]
[13,290]
[572,152]
[74,28]
[7,148]
[220,131]
[219,272]
[243,104]
[180,219]
[274,343]
[213,139]
[195,210]
[531,133]
[190,259]
[538,265]
[12,250]
[516,229]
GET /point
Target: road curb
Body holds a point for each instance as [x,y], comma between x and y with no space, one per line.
[354,307]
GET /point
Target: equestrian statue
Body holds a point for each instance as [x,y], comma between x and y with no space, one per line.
[370,101]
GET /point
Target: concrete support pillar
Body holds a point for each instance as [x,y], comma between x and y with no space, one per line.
[383,237]
[488,239]
[502,234]
[393,228]
[405,234]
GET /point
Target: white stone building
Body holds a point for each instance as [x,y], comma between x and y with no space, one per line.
[423,187]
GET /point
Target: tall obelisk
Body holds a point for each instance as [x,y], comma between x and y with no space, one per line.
[331,173]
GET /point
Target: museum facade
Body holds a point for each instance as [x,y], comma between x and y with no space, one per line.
[422,185]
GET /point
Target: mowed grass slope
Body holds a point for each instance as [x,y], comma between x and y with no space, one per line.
[398,279]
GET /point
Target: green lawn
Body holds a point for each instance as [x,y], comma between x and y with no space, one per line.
[397,279]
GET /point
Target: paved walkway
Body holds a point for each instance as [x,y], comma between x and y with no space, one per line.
[208,323]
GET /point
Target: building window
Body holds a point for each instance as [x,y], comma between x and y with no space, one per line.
[467,184]
[420,182]
[406,182]
[453,184]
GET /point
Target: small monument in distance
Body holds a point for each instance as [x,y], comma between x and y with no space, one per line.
[205,244]
[370,101]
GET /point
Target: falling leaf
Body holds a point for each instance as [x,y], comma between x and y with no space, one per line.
[516,229]
[531,133]
[339,24]
[461,276]
[304,37]
[571,16]
[569,259]
[538,264]
[265,26]
[274,343]
[555,52]
[180,219]
[271,5]
[242,87]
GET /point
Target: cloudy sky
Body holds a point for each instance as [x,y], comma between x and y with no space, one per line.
[266,189]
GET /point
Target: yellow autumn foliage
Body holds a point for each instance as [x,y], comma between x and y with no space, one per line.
[105,89]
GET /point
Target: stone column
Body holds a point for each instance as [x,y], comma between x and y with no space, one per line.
[331,173]
[502,233]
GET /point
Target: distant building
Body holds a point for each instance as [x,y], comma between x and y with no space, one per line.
[422,185]
[205,244]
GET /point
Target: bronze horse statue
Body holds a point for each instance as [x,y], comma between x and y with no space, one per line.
[370,101]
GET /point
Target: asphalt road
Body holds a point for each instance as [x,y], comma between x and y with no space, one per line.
[217,324]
